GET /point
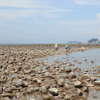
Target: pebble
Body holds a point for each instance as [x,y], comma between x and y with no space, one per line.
[54,91]
[78,84]
[97,82]
[60,82]
[67,97]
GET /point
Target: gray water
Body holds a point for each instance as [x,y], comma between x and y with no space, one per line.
[82,59]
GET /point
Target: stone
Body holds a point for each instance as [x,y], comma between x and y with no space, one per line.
[36,88]
[79,92]
[67,97]
[46,97]
[39,81]
[43,89]
[77,84]
[60,82]
[72,75]
[97,82]
[1,90]
[19,83]
[85,89]
[67,69]
[54,91]
[66,86]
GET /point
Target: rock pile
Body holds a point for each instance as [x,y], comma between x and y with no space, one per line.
[23,78]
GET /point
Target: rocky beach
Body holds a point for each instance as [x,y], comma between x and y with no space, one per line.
[24,76]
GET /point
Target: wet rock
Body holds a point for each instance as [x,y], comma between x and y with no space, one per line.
[54,91]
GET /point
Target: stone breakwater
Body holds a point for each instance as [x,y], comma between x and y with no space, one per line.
[24,78]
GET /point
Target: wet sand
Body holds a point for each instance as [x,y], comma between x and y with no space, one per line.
[23,76]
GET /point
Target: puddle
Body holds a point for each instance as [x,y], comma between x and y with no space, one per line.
[94,95]
[82,59]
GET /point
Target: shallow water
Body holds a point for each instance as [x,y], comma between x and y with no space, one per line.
[82,59]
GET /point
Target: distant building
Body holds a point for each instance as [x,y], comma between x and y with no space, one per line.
[94,41]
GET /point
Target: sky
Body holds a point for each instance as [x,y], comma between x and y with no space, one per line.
[48,21]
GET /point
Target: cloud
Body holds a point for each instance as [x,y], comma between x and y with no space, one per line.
[46,13]
[29,8]
[14,14]
[18,3]
[87,2]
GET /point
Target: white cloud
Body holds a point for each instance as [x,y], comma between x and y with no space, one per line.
[18,3]
[13,15]
[87,2]
[30,7]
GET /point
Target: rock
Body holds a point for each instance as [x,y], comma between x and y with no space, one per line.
[66,86]
[43,89]
[97,82]
[72,75]
[18,83]
[30,89]
[77,84]
[39,97]
[60,82]
[67,97]
[46,97]
[47,74]
[79,92]
[39,81]
[85,89]
[67,69]
[36,88]
[54,91]
[1,90]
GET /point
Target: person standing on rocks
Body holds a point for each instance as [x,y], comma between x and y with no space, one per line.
[67,48]
[56,46]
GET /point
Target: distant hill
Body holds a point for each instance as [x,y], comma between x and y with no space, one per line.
[74,42]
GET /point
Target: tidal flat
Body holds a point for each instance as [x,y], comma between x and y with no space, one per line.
[39,72]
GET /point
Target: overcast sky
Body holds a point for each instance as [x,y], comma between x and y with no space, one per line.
[48,21]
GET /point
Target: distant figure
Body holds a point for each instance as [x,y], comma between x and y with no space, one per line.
[56,46]
[67,48]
